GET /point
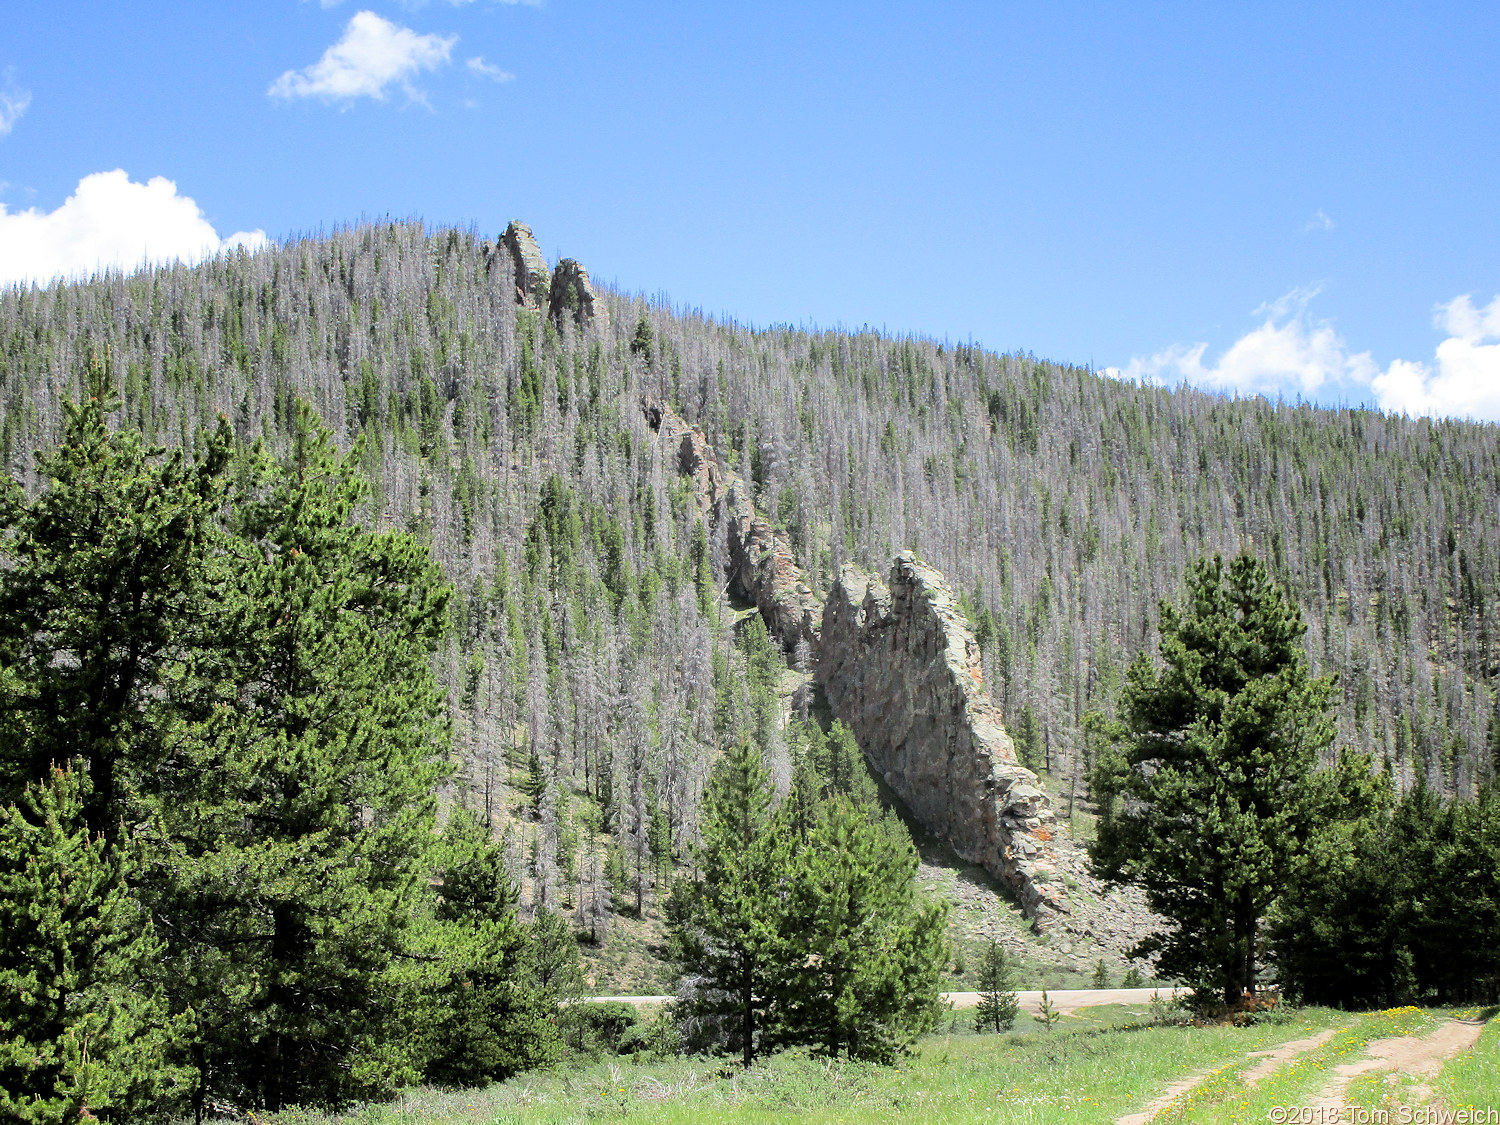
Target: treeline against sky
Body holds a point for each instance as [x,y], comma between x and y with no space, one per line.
[1062,504]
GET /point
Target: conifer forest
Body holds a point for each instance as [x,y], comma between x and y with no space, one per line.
[370,666]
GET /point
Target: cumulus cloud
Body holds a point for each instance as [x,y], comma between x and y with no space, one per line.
[372,54]
[488,70]
[414,4]
[1292,353]
[1289,353]
[109,222]
[1463,379]
[14,101]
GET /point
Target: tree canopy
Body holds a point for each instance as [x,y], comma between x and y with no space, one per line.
[1220,778]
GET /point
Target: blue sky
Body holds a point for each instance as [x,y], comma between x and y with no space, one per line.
[1284,198]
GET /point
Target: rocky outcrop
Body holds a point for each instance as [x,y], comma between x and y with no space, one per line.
[762,568]
[532,275]
[571,296]
[899,665]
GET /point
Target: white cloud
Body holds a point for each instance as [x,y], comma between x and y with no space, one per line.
[1288,354]
[371,54]
[109,222]
[488,70]
[1319,221]
[413,5]
[1463,380]
[1291,353]
[14,101]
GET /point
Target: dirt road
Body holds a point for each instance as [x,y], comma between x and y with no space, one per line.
[1419,1057]
[1064,1000]
[1269,1061]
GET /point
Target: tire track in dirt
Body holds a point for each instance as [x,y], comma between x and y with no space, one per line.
[1270,1060]
[1419,1057]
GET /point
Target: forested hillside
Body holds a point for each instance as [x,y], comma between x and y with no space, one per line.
[586,657]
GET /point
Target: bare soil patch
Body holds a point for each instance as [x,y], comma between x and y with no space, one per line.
[1270,1060]
[1419,1057]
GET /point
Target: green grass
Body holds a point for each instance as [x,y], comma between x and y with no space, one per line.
[1223,1098]
[1471,1080]
[1090,1069]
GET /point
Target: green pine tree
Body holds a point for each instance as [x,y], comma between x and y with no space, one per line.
[862,950]
[106,574]
[489,1016]
[83,1029]
[998,1005]
[296,814]
[726,926]
[1212,791]
[847,771]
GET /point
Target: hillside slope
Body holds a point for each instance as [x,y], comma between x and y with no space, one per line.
[591,668]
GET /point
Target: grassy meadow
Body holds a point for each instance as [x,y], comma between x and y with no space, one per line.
[1093,1067]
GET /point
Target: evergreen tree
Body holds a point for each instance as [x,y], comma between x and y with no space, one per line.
[84,1030]
[998,1005]
[1404,907]
[1212,791]
[295,815]
[489,1016]
[726,926]
[846,770]
[105,581]
[556,968]
[862,950]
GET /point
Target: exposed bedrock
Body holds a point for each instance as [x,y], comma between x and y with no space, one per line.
[901,668]
[762,567]
[571,295]
[532,275]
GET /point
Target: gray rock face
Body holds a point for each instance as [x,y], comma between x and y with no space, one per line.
[900,667]
[571,296]
[532,275]
[763,570]
[762,567]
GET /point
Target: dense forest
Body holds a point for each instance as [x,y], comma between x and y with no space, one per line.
[586,657]
[300,541]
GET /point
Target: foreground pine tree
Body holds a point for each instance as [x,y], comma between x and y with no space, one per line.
[727,925]
[862,949]
[1215,787]
[1400,908]
[806,926]
[106,577]
[296,815]
[84,1030]
[489,1014]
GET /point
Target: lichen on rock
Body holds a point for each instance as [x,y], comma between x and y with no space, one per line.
[900,666]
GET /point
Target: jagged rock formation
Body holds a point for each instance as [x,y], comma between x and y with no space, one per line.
[572,296]
[900,667]
[532,275]
[762,568]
